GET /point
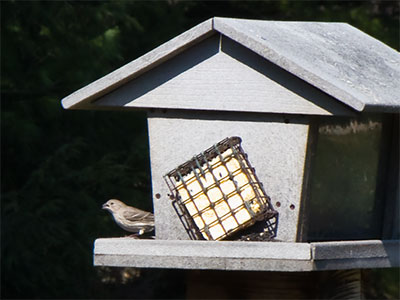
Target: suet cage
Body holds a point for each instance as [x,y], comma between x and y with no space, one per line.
[217,193]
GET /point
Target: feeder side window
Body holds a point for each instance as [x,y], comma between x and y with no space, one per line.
[346,201]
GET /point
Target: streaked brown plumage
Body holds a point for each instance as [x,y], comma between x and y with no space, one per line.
[130,218]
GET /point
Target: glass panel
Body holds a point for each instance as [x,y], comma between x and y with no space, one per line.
[343,198]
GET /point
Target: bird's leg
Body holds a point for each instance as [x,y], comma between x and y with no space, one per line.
[133,235]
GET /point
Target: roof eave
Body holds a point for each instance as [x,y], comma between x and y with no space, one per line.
[82,98]
[287,64]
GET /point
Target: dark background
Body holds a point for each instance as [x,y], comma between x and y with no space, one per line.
[59,166]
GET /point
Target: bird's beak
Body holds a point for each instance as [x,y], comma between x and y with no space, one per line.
[105,206]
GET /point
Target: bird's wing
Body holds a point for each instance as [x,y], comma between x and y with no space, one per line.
[134,214]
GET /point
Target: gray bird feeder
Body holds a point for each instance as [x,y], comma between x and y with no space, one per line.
[316,106]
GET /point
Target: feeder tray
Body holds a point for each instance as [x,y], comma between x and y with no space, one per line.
[217,193]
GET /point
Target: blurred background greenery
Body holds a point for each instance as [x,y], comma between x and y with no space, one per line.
[58,166]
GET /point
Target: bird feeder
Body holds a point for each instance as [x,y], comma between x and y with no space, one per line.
[316,107]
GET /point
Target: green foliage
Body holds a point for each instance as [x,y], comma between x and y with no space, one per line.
[58,166]
[382,283]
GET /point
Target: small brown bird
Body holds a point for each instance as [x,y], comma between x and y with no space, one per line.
[130,218]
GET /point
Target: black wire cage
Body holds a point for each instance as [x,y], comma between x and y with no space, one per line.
[217,194]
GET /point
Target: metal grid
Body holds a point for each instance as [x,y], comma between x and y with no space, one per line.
[217,193]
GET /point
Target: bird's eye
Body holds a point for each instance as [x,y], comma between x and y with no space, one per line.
[111,203]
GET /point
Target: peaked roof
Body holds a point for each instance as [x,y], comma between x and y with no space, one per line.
[337,58]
